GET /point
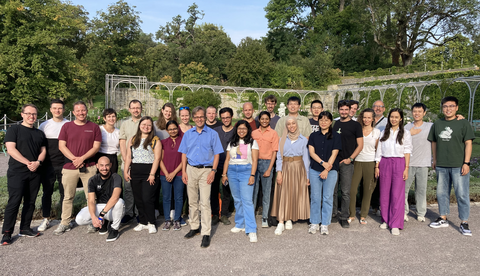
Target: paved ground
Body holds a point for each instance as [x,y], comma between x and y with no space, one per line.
[360,250]
[3,164]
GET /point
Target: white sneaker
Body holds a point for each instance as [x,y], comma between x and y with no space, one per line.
[288,225]
[237,230]
[324,230]
[313,228]
[383,225]
[140,227]
[280,229]
[421,219]
[253,237]
[395,231]
[405,217]
[378,213]
[152,229]
[44,225]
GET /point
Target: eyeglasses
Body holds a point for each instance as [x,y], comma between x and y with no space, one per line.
[448,106]
[30,114]
[198,117]
[316,108]
[184,107]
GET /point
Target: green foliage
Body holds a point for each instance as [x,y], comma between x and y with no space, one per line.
[250,65]
[201,98]
[284,76]
[195,73]
[39,41]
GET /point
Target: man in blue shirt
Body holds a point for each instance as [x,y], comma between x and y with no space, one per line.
[200,148]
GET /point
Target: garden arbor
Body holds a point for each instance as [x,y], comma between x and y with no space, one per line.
[140,90]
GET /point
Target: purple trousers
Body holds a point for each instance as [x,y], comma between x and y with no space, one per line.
[392,191]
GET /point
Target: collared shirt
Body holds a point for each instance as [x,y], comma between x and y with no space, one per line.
[391,148]
[273,120]
[292,149]
[267,142]
[303,126]
[128,129]
[381,124]
[324,148]
[202,147]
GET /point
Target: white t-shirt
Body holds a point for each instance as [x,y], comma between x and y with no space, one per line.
[244,154]
[110,141]
[52,128]
[368,152]
[422,148]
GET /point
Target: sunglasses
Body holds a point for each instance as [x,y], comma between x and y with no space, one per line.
[184,107]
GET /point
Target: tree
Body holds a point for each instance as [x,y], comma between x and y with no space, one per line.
[195,73]
[38,51]
[202,98]
[114,46]
[250,65]
[403,26]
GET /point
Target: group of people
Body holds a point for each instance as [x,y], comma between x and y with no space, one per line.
[298,168]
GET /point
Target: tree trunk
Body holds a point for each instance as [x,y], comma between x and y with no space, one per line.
[395,57]
[407,59]
[342,5]
[90,103]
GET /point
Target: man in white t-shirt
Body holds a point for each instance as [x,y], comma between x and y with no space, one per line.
[52,170]
[420,161]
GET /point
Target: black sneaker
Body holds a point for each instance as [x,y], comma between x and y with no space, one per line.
[334,219]
[113,235]
[7,238]
[465,229]
[440,222]
[344,223]
[104,229]
[215,220]
[28,233]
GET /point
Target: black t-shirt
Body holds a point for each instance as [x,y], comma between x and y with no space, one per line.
[54,155]
[103,189]
[315,125]
[349,131]
[323,148]
[217,124]
[29,142]
[225,139]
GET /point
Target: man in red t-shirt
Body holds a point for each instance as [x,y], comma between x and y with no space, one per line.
[79,141]
[248,115]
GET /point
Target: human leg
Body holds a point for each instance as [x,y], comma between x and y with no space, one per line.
[83,217]
[328,196]
[408,184]
[444,186]
[356,178]
[421,179]
[166,195]
[385,169]
[85,176]
[178,187]
[15,184]
[192,191]
[69,180]
[246,194]
[345,182]
[47,182]
[368,173]
[461,186]
[30,193]
[397,194]
[266,190]
[115,214]
[205,191]
[315,196]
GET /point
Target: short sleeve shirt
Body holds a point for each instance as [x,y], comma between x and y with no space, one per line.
[241,154]
[314,124]
[267,142]
[128,129]
[103,188]
[422,148]
[80,139]
[29,142]
[349,131]
[171,157]
[323,148]
[224,139]
[110,141]
[450,137]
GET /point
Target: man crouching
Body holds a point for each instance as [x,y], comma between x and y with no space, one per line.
[108,207]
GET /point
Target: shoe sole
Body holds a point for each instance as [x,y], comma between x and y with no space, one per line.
[467,234]
[238,231]
[7,243]
[102,233]
[439,226]
[177,229]
[196,234]
[29,236]
[111,240]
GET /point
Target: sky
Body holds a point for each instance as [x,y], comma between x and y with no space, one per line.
[238,18]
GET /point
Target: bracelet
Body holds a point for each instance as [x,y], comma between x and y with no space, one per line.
[152,174]
[224,175]
[252,175]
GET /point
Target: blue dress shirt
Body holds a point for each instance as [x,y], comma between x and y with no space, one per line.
[202,147]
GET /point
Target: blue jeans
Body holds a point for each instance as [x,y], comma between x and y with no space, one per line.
[262,166]
[321,196]
[461,184]
[178,186]
[238,176]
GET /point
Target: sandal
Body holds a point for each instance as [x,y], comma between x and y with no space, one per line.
[363,221]
[350,219]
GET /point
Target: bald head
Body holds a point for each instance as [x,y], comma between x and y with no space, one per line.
[248,111]
[379,108]
[104,165]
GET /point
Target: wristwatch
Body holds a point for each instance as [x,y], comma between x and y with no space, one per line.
[214,170]
[351,159]
[467,163]
[321,163]
[41,162]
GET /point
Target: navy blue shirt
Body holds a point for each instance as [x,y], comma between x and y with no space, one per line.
[202,147]
[323,148]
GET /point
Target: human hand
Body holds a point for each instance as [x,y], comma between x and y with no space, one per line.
[151,180]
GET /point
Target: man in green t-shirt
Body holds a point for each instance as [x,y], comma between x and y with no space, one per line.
[451,149]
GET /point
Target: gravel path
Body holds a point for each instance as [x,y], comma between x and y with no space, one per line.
[3,164]
[360,250]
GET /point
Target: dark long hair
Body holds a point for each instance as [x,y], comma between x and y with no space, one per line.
[329,116]
[161,123]
[235,141]
[386,132]
[360,117]
[138,137]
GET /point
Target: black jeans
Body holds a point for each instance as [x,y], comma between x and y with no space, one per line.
[144,193]
[21,185]
[50,174]
[345,175]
